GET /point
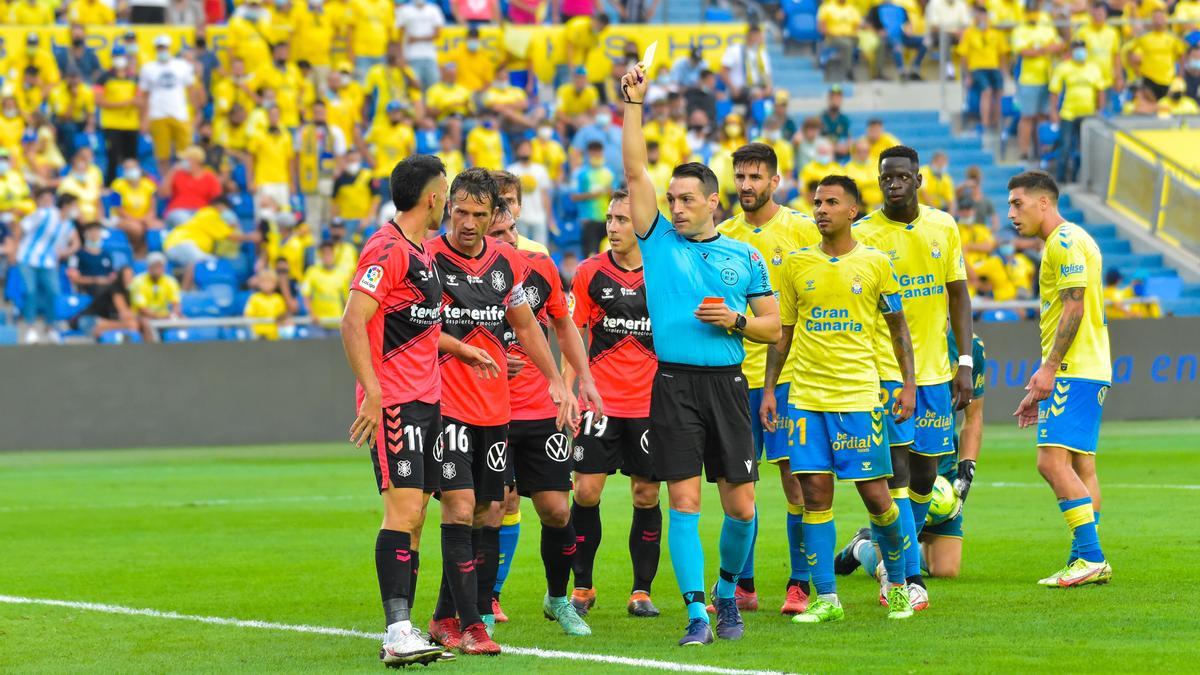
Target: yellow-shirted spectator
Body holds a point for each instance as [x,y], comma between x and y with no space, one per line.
[154,294]
[733,133]
[839,21]
[236,87]
[15,201]
[313,37]
[345,100]
[12,130]
[249,35]
[345,254]
[266,303]
[575,100]
[90,13]
[393,81]
[878,139]
[1153,54]
[937,187]
[1006,14]
[581,39]
[36,55]
[135,212]
[449,97]
[1079,86]
[823,164]
[1104,47]
[1176,102]
[370,24]
[477,62]
[452,158]
[670,135]
[1187,16]
[548,152]
[31,13]
[983,51]
[286,81]
[977,239]
[325,288]
[271,151]
[390,139]
[281,17]
[485,147]
[196,239]
[803,202]
[785,154]
[1035,42]
[354,202]
[85,182]
[866,173]
[507,101]
[660,175]
[30,93]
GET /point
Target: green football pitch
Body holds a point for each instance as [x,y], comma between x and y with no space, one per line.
[154,552]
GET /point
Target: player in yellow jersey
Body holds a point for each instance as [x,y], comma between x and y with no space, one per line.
[1066,394]
[926,252]
[834,292]
[775,231]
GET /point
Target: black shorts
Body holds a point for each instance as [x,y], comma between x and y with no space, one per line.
[471,456]
[606,444]
[542,456]
[405,433]
[700,419]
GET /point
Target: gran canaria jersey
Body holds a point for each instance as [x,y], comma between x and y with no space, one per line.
[785,232]
[927,255]
[834,303]
[1072,260]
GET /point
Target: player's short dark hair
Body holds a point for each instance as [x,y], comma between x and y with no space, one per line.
[620,194]
[701,172]
[901,151]
[846,183]
[1034,181]
[478,184]
[411,176]
[757,153]
[506,181]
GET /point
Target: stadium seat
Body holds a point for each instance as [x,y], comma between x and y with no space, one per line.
[222,296]
[8,335]
[197,334]
[794,7]
[801,29]
[199,304]
[999,316]
[235,333]
[718,15]
[215,271]
[154,240]
[118,337]
[1164,287]
[68,305]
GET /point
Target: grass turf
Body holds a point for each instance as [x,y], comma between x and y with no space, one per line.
[287,535]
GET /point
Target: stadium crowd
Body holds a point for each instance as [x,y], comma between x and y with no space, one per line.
[184,180]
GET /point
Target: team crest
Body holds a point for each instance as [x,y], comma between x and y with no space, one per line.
[533,295]
[371,278]
[777,257]
[570,304]
[856,285]
[404,468]
[578,453]
[448,470]
[730,275]
[935,250]
[498,280]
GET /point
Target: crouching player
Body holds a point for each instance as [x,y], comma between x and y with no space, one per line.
[834,291]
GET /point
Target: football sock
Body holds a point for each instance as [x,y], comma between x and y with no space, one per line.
[820,535]
[645,545]
[885,528]
[487,556]
[908,533]
[687,559]
[459,581]
[558,552]
[510,531]
[393,566]
[868,555]
[1075,553]
[920,508]
[1081,520]
[737,540]
[412,584]
[746,578]
[587,534]
[795,535]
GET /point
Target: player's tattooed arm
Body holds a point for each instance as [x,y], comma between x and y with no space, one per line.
[902,346]
[777,355]
[1068,325]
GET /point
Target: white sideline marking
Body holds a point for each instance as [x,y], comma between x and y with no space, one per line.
[192,503]
[343,632]
[1122,486]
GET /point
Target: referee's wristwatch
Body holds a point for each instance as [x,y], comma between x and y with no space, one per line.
[739,324]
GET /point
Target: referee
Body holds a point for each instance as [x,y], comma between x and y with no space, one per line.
[698,283]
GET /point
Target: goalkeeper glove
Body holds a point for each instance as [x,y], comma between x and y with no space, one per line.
[966,474]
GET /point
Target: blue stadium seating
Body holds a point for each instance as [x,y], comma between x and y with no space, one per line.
[199,304]
[197,334]
[117,337]
[68,305]
[154,240]
[8,335]
[215,271]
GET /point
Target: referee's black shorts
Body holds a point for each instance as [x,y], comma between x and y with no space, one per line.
[700,420]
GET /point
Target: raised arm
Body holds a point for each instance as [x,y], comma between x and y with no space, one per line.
[643,202]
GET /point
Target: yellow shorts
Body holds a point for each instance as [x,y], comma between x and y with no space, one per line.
[169,135]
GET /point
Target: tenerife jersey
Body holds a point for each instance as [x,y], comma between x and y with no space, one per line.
[680,273]
[786,231]
[611,302]
[476,293]
[404,331]
[529,390]
[1072,260]
[927,255]
[834,303]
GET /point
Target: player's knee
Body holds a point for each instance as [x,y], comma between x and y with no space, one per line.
[587,491]
[645,494]
[557,515]
[685,502]
[943,569]
[458,509]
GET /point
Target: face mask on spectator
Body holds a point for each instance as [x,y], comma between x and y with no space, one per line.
[939,170]
[119,62]
[76,42]
[603,120]
[419,3]
[4,166]
[93,243]
[1193,64]
[267,214]
[472,45]
[229,216]
[1079,54]
[133,175]
[1007,250]
[79,174]
[10,111]
[131,48]
[163,56]
[824,157]
[353,168]
[545,133]
[733,130]
[773,135]
[71,213]
[1176,95]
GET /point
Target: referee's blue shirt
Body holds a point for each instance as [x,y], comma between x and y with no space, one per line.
[679,274]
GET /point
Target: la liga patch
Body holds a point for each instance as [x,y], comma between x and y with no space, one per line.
[371,278]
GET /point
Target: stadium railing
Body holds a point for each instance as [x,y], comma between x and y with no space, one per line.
[1137,180]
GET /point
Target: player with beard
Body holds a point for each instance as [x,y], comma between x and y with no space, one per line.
[541,452]
[774,231]
[483,294]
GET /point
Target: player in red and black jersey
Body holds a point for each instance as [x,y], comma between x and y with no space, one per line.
[541,453]
[482,296]
[391,331]
[610,309]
